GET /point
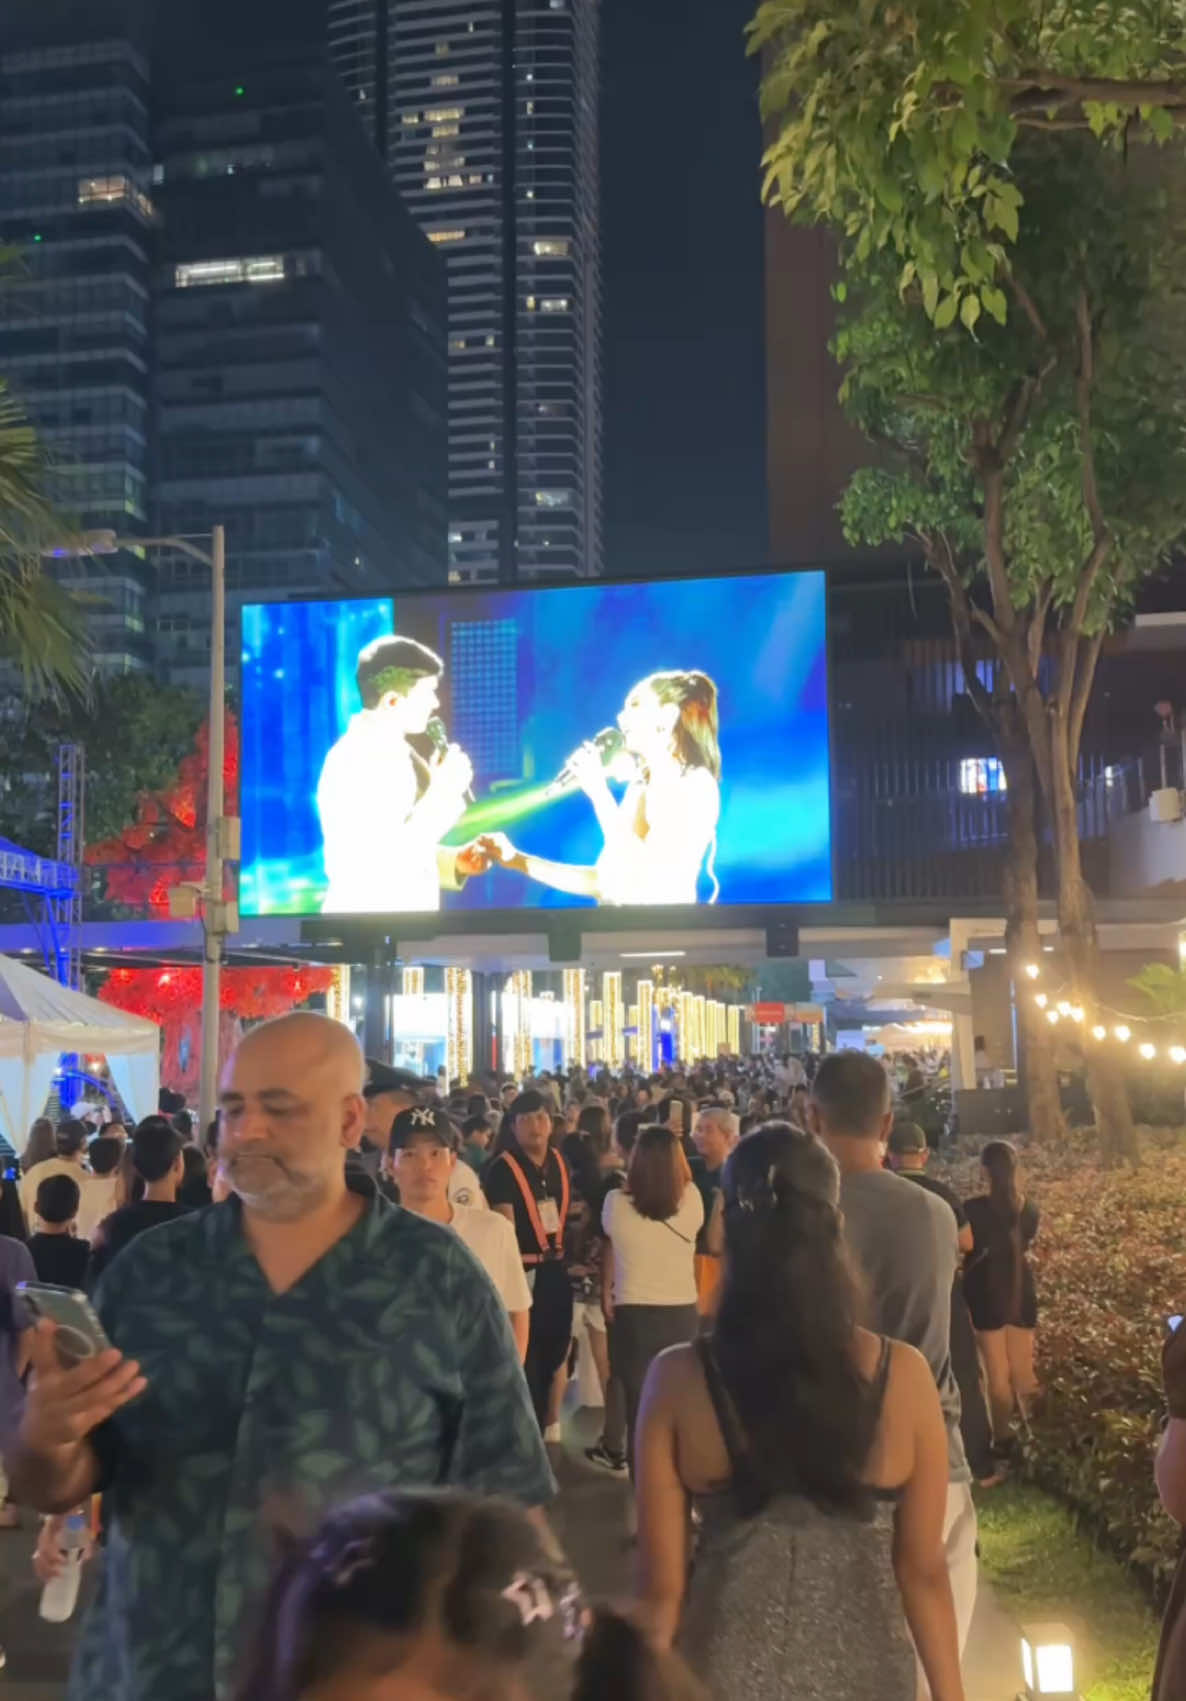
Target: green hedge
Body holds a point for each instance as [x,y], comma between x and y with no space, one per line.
[1110,1264]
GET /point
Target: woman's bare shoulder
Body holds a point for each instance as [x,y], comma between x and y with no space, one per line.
[673,1372]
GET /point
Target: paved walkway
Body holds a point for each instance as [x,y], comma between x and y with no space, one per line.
[590,1520]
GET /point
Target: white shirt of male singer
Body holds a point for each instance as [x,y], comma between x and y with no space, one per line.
[377,858]
[491,1239]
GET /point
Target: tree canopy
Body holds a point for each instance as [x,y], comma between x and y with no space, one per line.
[898,124]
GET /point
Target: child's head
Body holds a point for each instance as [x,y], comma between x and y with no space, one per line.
[440,1597]
[57,1201]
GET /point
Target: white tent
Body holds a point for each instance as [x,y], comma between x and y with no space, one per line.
[40,1020]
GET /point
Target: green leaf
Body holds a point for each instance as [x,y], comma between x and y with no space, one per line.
[994,302]
[944,314]
[970,311]
[930,293]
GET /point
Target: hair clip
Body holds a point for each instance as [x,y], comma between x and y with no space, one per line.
[343,1567]
[531,1595]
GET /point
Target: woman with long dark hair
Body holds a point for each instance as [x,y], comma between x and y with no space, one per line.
[663,832]
[999,1285]
[817,1454]
[651,1226]
[41,1144]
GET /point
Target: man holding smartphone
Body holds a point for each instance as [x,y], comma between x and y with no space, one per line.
[272,1356]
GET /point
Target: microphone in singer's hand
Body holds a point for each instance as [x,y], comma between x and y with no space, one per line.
[438,737]
[608,744]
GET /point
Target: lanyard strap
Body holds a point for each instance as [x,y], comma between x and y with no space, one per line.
[529,1200]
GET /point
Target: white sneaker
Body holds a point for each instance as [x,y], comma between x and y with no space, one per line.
[552,1433]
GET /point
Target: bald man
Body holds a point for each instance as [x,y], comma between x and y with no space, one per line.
[274,1355]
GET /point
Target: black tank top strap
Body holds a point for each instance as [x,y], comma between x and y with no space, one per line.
[748,1490]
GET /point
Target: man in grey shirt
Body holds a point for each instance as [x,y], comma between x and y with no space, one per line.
[905,1241]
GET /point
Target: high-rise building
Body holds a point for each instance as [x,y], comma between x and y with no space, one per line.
[487,113]
[226,315]
[75,202]
[300,336]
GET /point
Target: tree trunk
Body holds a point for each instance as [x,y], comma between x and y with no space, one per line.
[1022,939]
[1080,943]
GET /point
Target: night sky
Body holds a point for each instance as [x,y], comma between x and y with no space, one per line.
[683,297]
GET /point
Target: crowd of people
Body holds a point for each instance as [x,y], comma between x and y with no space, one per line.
[791,1326]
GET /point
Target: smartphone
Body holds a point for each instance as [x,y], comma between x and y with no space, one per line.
[80,1334]
[1173,1324]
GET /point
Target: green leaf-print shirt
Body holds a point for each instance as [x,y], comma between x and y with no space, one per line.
[389,1364]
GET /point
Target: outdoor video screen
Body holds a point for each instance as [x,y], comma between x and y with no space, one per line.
[602,744]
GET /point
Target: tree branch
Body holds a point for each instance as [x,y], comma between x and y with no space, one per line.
[1084,380]
[1035,639]
[1085,664]
[937,549]
[1028,306]
[1047,88]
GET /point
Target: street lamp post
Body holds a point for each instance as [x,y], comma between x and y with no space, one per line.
[219,918]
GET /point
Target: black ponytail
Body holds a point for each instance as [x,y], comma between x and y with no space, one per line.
[784,1334]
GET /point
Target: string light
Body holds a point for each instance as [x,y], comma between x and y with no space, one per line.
[1177,1054]
[1099,1033]
[1148,1051]
[1076,1012]
[1052,1017]
[1041,1000]
[1064,1007]
[1032,971]
[1123,1033]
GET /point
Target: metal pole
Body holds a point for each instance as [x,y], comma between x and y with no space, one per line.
[213,907]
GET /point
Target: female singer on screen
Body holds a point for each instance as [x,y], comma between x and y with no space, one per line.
[660,834]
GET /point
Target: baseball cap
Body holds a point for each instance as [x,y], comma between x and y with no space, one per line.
[421,1122]
[907,1137]
[383,1078]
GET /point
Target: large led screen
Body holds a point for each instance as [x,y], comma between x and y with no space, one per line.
[602,744]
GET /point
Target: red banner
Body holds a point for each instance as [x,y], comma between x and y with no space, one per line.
[767,1015]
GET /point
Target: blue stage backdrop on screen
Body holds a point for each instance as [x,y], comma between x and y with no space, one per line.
[662,743]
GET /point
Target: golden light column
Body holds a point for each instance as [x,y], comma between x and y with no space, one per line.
[575,1040]
[521,989]
[337,995]
[700,1025]
[645,1024]
[413,981]
[685,1026]
[613,1021]
[734,1019]
[459,1018]
[596,1046]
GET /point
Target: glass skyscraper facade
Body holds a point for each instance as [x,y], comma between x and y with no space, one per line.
[487,113]
[75,203]
[222,314]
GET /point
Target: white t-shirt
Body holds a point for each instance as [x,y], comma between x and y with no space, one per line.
[491,1239]
[97,1202]
[653,1261]
[465,1189]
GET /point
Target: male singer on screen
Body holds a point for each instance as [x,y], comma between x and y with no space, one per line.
[658,837]
[384,809]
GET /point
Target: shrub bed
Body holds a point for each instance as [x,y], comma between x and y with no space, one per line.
[1110,1265]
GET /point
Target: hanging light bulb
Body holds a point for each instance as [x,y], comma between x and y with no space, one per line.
[1099,1033]
[1032,971]
[1177,1054]
[1148,1051]
[1076,1012]
[1041,1000]
[1123,1033]
[1064,1007]
[1052,1017]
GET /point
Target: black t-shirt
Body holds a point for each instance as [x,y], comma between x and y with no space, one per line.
[547,1182]
[998,1281]
[122,1227]
[940,1189]
[60,1259]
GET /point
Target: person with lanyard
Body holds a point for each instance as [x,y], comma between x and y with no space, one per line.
[528,1182]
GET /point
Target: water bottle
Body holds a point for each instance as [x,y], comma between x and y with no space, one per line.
[60,1595]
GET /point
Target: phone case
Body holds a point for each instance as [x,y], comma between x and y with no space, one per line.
[80,1333]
